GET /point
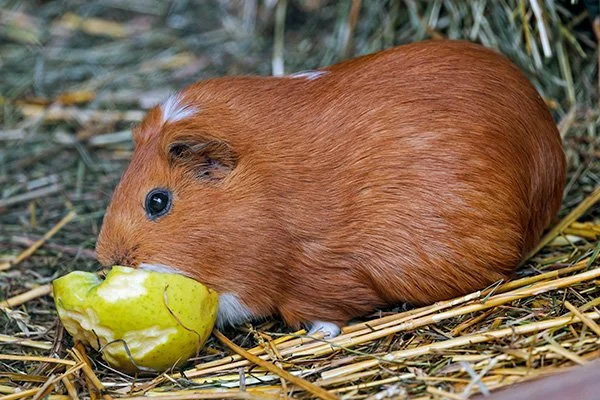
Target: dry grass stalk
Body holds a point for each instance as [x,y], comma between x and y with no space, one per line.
[93,26]
[508,286]
[560,350]
[71,115]
[575,214]
[277,62]
[20,395]
[237,360]
[361,375]
[25,297]
[537,10]
[493,301]
[71,390]
[365,385]
[37,359]
[31,195]
[349,27]
[588,322]
[216,395]
[25,342]
[33,248]
[94,384]
[302,383]
[461,341]
[443,394]
[53,379]
[470,322]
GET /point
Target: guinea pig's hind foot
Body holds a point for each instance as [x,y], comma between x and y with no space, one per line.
[330,329]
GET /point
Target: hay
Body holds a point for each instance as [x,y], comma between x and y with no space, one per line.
[75,75]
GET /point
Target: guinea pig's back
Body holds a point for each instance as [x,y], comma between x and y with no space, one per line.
[415,174]
[442,166]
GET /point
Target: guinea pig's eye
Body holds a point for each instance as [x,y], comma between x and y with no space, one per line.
[158,203]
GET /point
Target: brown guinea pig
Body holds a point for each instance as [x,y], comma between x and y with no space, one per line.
[414,174]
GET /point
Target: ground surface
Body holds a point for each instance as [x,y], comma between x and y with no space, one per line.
[75,75]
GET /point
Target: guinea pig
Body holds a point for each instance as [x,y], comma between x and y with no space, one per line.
[414,174]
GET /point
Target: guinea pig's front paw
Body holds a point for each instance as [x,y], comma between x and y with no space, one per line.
[330,329]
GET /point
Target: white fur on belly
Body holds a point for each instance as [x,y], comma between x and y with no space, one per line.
[231,310]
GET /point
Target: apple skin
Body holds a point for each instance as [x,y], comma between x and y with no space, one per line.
[162,319]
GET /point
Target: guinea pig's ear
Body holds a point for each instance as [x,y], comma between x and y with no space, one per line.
[210,160]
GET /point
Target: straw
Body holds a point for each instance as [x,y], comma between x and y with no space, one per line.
[78,75]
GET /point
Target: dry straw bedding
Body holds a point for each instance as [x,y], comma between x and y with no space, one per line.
[76,75]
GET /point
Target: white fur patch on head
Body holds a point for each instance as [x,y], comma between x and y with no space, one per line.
[174,110]
[232,311]
[308,75]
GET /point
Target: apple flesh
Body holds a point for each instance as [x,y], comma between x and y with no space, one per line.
[139,320]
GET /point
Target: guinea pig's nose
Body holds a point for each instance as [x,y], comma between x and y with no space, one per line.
[124,259]
[115,257]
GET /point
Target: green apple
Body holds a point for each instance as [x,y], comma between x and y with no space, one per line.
[139,320]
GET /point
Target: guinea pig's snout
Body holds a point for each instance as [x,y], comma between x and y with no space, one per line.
[116,256]
[125,259]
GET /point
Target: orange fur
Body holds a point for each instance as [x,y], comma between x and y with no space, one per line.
[414,174]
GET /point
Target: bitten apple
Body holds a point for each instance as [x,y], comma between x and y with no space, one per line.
[137,319]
